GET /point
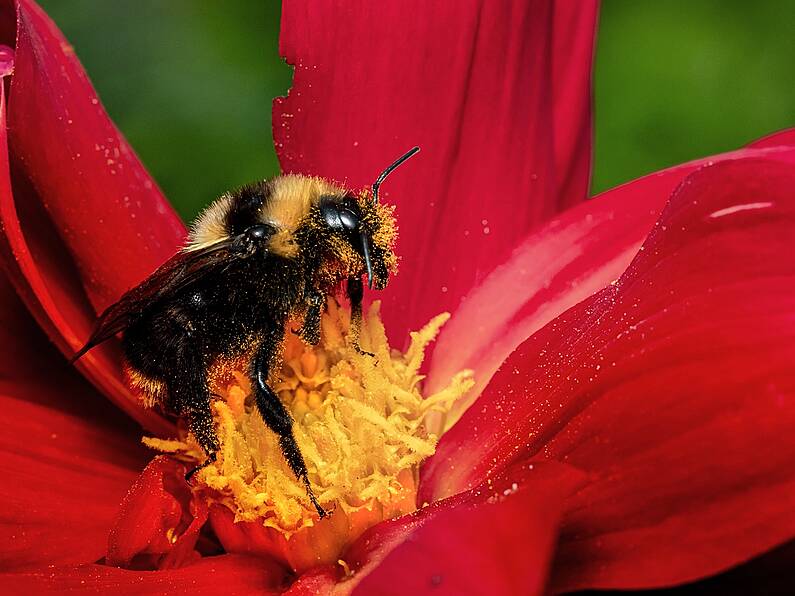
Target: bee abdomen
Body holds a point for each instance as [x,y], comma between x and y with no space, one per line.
[152,392]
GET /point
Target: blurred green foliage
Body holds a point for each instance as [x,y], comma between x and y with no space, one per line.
[190,82]
[678,79]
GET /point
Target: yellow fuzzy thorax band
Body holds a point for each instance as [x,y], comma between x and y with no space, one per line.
[360,423]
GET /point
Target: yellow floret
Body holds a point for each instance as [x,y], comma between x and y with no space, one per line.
[359,423]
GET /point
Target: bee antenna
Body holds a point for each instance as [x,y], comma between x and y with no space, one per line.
[391,169]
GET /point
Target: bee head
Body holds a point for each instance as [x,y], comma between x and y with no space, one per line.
[366,226]
[357,224]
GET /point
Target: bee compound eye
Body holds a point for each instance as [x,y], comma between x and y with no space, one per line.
[350,221]
[331,216]
[258,232]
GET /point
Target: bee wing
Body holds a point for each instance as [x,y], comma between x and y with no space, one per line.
[173,276]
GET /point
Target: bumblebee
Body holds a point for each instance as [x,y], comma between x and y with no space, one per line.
[256,259]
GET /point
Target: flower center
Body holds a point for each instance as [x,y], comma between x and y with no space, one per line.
[359,423]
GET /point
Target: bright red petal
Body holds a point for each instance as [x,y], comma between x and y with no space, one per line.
[500,548]
[564,262]
[673,388]
[574,25]
[65,225]
[497,539]
[782,138]
[159,520]
[227,574]
[567,260]
[321,580]
[108,211]
[497,96]
[67,457]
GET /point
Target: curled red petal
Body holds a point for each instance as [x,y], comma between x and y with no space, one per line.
[159,520]
[106,208]
[38,245]
[673,388]
[497,97]
[557,266]
[229,574]
[66,455]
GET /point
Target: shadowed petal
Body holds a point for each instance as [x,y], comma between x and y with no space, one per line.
[496,95]
[66,454]
[47,192]
[321,580]
[673,387]
[227,574]
[770,574]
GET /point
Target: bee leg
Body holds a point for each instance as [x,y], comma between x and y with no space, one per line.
[191,398]
[276,416]
[207,462]
[310,331]
[202,427]
[355,295]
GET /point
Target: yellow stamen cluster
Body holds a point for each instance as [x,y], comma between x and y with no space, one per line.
[359,423]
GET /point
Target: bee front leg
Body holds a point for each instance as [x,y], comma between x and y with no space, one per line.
[275,414]
[310,331]
[355,296]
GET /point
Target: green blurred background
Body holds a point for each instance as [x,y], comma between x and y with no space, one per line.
[190,82]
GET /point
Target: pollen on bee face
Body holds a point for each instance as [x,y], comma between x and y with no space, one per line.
[360,421]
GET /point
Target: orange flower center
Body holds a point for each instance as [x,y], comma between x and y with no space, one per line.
[361,423]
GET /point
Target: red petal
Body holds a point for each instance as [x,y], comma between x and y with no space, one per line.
[227,574]
[321,580]
[567,260]
[495,540]
[770,574]
[36,249]
[159,520]
[782,138]
[107,209]
[497,96]
[66,455]
[574,25]
[559,265]
[673,388]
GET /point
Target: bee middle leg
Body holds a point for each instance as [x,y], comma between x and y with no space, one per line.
[191,399]
[310,330]
[201,425]
[276,416]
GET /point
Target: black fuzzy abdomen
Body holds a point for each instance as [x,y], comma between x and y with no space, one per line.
[223,315]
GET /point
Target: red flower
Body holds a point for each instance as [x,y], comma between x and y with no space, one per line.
[635,352]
